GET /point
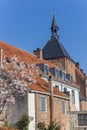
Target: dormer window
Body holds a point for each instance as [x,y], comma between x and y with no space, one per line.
[56,86]
[56,73]
[62,75]
[17,63]
[70,78]
[46,70]
[26,66]
[7,60]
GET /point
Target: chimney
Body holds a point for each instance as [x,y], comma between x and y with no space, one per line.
[77,65]
[81,70]
[38,53]
[51,99]
[50,83]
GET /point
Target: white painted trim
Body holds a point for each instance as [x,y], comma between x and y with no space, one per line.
[68,85]
[31,110]
[62,97]
[34,91]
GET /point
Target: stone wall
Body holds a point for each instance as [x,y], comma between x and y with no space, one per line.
[73,119]
[15,111]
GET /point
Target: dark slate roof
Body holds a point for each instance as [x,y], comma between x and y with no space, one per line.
[54,49]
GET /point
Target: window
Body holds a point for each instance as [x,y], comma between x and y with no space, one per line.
[7,60]
[70,78]
[73,96]
[63,107]
[65,89]
[56,73]
[60,74]
[46,70]
[63,76]
[17,63]
[56,86]
[26,66]
[44,103]
[82,119]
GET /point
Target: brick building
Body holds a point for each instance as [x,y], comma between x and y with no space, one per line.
[60,90]
[55,53]
[43,101]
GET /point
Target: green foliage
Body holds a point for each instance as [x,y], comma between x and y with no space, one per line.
[23,123]
[52,126]
[7,125]
[41,125]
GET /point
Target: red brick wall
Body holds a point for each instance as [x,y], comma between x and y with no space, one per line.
[73,69]
[83,105]
[65,64]
[80,80]
[40,115]
[57,111]
[58,116]
[38,53]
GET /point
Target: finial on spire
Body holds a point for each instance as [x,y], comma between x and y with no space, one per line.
[54,27]
[54,11]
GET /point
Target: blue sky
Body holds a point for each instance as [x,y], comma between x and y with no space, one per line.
[26,25]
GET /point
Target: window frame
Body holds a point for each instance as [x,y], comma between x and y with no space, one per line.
[64,76]
[82,119]
[57,86]
[46,70]
[70,78]
[56,73]
[73,96]
[65,89]
[44,108]
[63,107]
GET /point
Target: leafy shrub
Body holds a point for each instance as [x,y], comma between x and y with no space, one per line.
[52,126]
[41,125]
[23,123]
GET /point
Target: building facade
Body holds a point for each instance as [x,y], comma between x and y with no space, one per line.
[70,77]
[60,91]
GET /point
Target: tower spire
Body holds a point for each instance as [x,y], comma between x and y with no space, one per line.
[54,27]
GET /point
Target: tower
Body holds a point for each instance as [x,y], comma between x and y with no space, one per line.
[54,27]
